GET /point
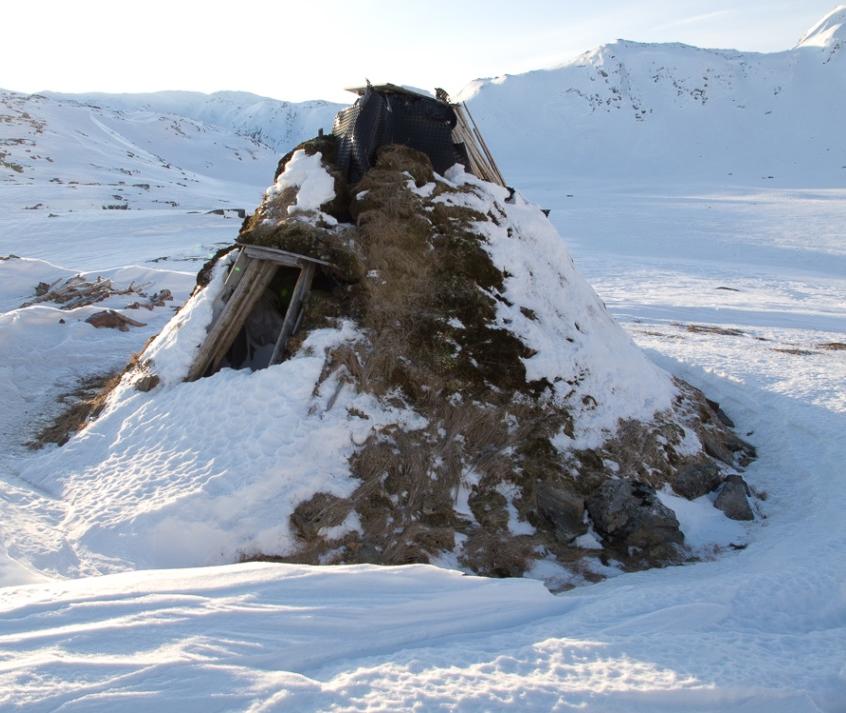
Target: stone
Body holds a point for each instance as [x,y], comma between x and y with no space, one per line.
[146,383]
[733,499]
[321,510]
[562,510]
[629,513]
[694,480]
[722,416]
[113,320]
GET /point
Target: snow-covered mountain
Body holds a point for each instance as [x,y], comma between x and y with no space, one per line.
[275,123]
[51,147]
[656,111]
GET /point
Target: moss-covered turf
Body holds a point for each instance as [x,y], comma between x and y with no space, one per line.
[412,272]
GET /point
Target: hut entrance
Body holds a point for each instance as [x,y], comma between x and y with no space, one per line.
[254,344]
[257,312]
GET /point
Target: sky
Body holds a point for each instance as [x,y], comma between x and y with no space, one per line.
[309,50]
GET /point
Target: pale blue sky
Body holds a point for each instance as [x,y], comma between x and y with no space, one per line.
[299,50]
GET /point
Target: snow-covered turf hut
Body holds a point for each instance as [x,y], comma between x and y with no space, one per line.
[442,385]
[261,306]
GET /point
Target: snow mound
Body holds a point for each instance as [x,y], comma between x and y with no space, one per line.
[456,393]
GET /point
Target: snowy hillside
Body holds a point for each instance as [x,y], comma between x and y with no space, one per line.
[275,123]
[654,111]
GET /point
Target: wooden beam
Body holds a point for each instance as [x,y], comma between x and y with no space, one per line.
[236,272]
[294,312]
[282,257]
[482,162]
[484,145]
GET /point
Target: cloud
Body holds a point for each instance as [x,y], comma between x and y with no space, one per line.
[692,20]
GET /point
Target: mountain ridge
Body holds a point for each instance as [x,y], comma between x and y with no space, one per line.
[622,111]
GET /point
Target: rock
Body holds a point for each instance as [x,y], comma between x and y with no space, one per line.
[727,447]
[146,383]
[628,513]
[319,511]
[744,452]
[696,479]
[721,415]
[113,320]
[733,499]
[562,510]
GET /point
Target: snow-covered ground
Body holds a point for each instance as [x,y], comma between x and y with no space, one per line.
[736,285]
[760,629]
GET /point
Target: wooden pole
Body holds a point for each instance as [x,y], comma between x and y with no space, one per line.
[293,313]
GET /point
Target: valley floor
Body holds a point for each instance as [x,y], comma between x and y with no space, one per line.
[741,291]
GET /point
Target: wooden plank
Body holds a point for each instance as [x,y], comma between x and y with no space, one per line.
[201,361]
[293,313]
[283,257]
[482,162]
[484,145]
[222,326]
[478,165]
[236,272]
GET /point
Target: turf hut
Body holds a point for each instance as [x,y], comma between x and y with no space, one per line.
[397,362]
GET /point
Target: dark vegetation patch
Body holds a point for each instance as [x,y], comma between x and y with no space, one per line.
[662,335]
[78,291]
[711,329]
[79,407]
[833,346]
[112,319]
[794,351]
[84,403]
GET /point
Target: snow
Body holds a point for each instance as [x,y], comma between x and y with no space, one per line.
[312,182]
[575,339]
[160,479]
[704,527]
[175,347]
[827,32]
[662,111]
[275,123]
[666,239]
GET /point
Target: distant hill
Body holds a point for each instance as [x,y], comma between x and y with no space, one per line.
[659,111]
[275,123]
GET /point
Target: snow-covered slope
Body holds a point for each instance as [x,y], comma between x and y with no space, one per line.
[276,123]
[654,111]
[54,151]
[829,32]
